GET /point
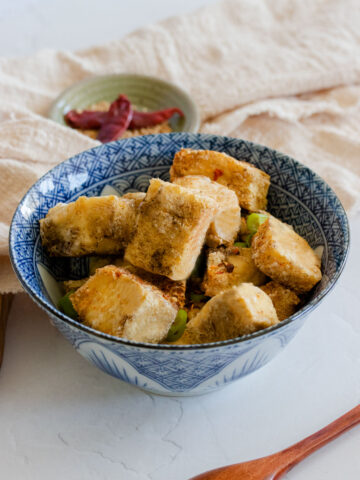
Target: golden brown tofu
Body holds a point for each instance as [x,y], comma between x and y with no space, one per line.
[174,291]
[238,311]
[226,223]
[119,303]
[138,197]
[171,230]
[90,225]
[250,184]
[285,300]
[279,252]
[230,266]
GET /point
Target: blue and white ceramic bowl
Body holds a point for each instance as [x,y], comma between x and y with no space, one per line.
[297,196]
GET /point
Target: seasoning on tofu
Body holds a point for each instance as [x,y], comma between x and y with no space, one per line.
[226,223]
[250,184]
[285,300]
[227,267]
[238,311]
[91,225]
[174,291]
[171,230]
[119,303]
[279,252]
[194,261]
[138,197]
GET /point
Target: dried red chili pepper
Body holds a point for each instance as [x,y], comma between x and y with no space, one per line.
[149,119]
[86,120]
[118,120]
[120,116]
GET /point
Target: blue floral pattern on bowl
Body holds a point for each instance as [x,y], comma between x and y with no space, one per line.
[297,196]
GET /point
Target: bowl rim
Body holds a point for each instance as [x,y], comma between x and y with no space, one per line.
[179,91]
[303,312]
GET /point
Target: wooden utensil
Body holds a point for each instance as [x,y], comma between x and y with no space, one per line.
[275,466]
[5,303]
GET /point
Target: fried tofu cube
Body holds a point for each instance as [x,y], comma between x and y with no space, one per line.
[138,197]
[283,255]
[90,225]
[171,230]
[226,223]
[285,300]
[250,184]
[174,291]
[227,267]
[119,303]
[238,311]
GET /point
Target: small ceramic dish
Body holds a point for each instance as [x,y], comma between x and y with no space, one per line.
[144,92]
[297,196]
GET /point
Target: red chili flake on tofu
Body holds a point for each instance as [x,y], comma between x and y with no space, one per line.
[217,174]
[221,268]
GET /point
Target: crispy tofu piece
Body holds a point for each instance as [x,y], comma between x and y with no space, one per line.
[279,252]
[238,311]
[174,291]
[138,197]
[285,300]
[250,184]
[119,303]
[226,223]
[171,230]
[227,267]
[90,225]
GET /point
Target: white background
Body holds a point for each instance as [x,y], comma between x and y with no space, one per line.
[60,418]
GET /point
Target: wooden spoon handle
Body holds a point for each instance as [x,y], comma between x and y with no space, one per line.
[5,302]
[291,456]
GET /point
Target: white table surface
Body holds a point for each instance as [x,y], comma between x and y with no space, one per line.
[61,418]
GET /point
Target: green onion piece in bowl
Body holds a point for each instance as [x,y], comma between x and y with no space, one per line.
[66,306]
[198,297]
[240,244]
[254,220]
[248,239]
[178,327]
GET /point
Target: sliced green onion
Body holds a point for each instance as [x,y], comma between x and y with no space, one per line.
[66,306]
[254,220]
[198,297]
[240,244]
[248,239]
[178,327]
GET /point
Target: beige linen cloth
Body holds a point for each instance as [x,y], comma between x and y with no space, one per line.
[282,73]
